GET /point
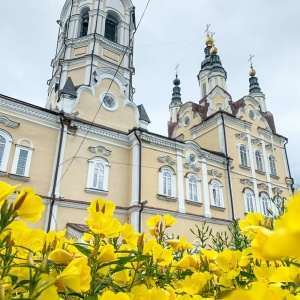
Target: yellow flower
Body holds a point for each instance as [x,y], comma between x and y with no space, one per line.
[139,292]
[104,225]
[130,238]
[75,276]
[109,295]
[122,278]
[60,257]
[184,244]
[6,190]
[211,255]
[169,220]
[28,206]
[263,273]
[194,284]
[157,293]
[153,221]
[107,254]
[103,206]
[174,244]
[161,256]
[256,219]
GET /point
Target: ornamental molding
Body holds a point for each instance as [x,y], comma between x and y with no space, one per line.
[192,166]
[101,132]
[28,111]
[168,159]
[8,123]
[277,190]
[256,142]
[247,182]
[163,142]
[264,132]
[241,136]
[262,186]
[215,158]
[237,121]
[194,146]
[100,149]
[269,147]
[214,172]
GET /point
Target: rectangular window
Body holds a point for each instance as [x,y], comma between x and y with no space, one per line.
[21,166]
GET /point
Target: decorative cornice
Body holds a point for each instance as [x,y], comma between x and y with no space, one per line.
[168,159]
[262,186]
[256,142]
[193,166]
[205,124]
[215,158]
[247,182]
[214,172]
[194,146]
[163,142]
[237,121]
[277,190]
[102,132]
[28,110]
[101,149]
[241,136]
[8,123]
[269,147]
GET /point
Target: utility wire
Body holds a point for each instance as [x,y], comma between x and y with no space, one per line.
[111,82]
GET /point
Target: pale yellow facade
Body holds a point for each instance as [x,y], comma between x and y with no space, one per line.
[221,160]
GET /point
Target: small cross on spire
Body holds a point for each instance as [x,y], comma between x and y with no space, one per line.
[250,60]
[176,68]
[207,29]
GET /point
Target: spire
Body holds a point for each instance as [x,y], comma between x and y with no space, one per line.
[254,85]
[176,98]
[68,89]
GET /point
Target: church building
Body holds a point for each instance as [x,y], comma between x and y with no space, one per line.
[222,158]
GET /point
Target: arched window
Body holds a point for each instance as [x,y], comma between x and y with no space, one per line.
[97,181]
[84,22]
[5,146]
[22,159]
[243,156]
[272,164]
[167,182]
[111,28]
[265,204]
[192,187]
[258,159]
[216,193]
[249,200]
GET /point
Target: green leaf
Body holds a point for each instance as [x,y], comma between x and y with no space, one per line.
[82,249]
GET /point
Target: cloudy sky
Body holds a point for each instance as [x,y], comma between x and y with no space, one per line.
[171,32]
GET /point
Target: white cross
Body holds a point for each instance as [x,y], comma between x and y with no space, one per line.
[250,59]
[207,29]
[177,69]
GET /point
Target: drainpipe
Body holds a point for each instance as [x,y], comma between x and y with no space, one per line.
[288,165]
[61,115]
[228,169]
[140,179]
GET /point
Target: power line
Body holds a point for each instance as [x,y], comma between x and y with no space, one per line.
[111,82]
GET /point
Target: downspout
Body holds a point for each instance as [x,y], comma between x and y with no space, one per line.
[56,171]
[288,165]
[140,179]
[131,42]
[228,169]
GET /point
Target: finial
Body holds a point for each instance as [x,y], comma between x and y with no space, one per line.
[209,40]
[176,68]
[252,72]
[213,49]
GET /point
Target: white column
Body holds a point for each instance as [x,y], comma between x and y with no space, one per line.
[135,173]
[252,166]
[207,212]
[181,206]
[135,220]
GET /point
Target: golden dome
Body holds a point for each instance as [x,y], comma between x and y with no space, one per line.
[252,72]
[213,49]
[209,41]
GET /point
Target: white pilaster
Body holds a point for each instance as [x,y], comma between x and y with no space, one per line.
[181,206]
[135,174]
[135,220]
[206,201]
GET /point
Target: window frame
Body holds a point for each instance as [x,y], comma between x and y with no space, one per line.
[272,165]
[15,163]
[90,187]
[258,161]
[243,156]
[171,172]
[216,183]
[114,20]
[267,202]
[6,150]
[192,176]
[84,11]
[246,193]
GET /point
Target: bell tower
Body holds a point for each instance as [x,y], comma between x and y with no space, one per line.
[95,42]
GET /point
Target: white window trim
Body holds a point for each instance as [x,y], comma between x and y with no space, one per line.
[263,194]
[187,187]
[217,182]
[16,160]
[90,177]
[240,159]
[6,152]
[246,191]
[161,183]
[101,98]
[261,159]
[275,166]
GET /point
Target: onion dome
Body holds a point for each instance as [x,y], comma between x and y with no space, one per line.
[252,72]
[209,41]
[213,50]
